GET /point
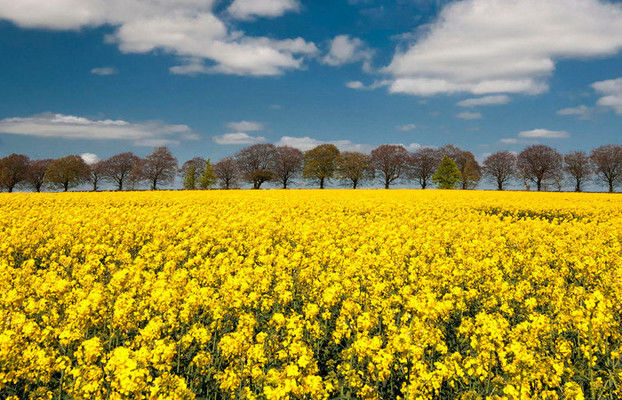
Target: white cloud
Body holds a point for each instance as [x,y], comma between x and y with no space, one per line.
[469,115]
[245,126]
[355,85]
[581,112]
[406,127]
[307,143]
[186,28]
[51,125]
[104,71]
[155,142]
[358,85]
[238,138]
[191,68]
[430,87]
[89,158]
[509,141]
[346,50]
[485,101]
[504,46]
[413,147]
[544,133]
[248,9]
[301,143]
[612,94]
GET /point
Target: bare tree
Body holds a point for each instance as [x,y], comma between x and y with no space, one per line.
[577,165]
[97,171]
[390,161]
[500,167]
[35,176]
[67,172]
[226,171]
[608,164]
[320,163]
[136,176]
[257,163]
[423,164]
[118,167]
[354,167]
[13,170]
[159,167]
[288,164]
[452,152]
[539,163]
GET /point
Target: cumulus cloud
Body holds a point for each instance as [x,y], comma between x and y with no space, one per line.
[581,112]
[51,125]
[485,101]
[104,71]
[238,138]
[346,50]
[612,94]
[186,28]
[406,127]
[503,46]
[306,143]
[245,126]
[469,115]
[544,133]
[248,9]
[89,158]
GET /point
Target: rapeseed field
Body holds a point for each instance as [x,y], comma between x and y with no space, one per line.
[311,295]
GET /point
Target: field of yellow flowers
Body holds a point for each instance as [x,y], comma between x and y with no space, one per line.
[311,295]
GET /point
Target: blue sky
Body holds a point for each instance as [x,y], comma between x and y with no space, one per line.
[207,78]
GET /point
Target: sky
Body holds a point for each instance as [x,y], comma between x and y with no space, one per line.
[209,77]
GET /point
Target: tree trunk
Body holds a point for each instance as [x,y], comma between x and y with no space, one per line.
[154,184]
[120,186]
[424,184]
[355,183]
[10,188]
[38,188]
[499,184]
[386,183]
[321,183]
[610,185]
[284,183]
[539,184]
[66,186]
[578,186]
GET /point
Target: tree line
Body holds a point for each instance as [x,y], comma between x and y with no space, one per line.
[447,167]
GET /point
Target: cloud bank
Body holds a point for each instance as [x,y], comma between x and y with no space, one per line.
[187,28]
[49,125]
[503,46]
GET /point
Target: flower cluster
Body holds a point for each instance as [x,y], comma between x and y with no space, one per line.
[311,295]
